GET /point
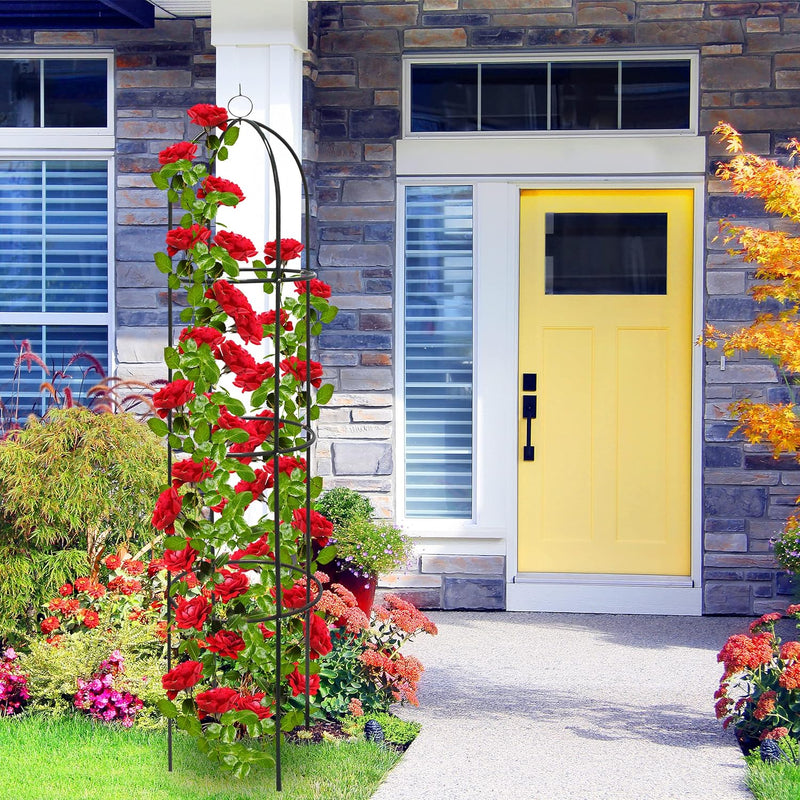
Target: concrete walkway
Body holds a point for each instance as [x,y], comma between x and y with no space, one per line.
[519,706]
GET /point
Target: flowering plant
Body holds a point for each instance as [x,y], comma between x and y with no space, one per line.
[759,693]
[13,684]
[369,548]
[252,432]
[101,700]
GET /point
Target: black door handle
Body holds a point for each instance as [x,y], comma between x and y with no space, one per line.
[528,411]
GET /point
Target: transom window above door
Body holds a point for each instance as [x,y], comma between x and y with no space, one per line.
[637,93]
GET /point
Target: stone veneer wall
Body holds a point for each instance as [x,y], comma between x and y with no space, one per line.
[749,76]
[159,73]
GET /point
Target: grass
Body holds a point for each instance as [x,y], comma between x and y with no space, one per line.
[44,758]
[779,781]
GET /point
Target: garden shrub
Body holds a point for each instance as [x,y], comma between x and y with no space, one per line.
[395,730]
[341,505]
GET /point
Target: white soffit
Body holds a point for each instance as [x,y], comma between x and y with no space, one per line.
[170,9]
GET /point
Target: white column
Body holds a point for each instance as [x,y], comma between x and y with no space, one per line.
[259,47]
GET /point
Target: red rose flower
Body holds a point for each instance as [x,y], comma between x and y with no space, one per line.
[203,335]
[265,631]
[189,471]
[235,583]
[252,702]
[65,590]
[90,618]
[186,238]
[319,636]
[290,248]
[173,395]
[207,115]
[168,506]
[215,184]
[184,676]
[318,288]
[294,597]
[287,465]
[298,367]
[192,613]
[177,561]
[257,549]
[268,318]
[321,527]
[231,299]
[298,683]
[182,151]
[239,247]
[113,562]
[216,701]
[228,644]
[49,624]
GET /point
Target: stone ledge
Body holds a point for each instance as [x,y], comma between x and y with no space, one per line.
[463,565]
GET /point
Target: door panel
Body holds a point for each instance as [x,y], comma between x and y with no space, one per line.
[605,322]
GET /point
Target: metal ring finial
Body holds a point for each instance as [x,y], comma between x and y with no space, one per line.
[236,97]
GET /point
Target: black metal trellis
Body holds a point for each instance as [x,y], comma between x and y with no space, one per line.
[277,276]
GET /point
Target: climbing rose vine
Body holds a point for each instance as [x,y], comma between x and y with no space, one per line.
[231,394]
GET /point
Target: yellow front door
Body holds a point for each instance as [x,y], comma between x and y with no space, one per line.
[605,327]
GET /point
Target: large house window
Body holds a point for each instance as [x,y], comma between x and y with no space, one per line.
[438,372]
[55,307]
[569,94]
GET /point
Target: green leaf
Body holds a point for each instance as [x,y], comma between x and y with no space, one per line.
[160,181]
[167,708]
[326,555]
[163,262]
[175,442]
[195,294]
[329,314]
[158,426]
[174,542]
[173,281]
[172,358]
[202,433]
[324,393]
[231,135]
[222,155]
[241,770]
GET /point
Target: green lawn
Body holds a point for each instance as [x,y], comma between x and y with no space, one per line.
[772,781]
[75,759]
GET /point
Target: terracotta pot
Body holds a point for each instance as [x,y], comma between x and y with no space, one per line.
[363,588]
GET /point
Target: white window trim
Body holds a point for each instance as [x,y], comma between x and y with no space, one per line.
[550,56]
[64,138]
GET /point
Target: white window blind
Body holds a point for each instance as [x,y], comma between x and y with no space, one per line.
[438,352]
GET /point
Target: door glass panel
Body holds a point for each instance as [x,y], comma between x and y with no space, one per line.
[584,96]
[444,97]
[655,95]
[514,97]
[606,254]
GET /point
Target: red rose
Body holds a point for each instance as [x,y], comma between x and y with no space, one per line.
[265,631]
[268,318]
[65,590]
[173,395]
[294,597]
[155,566]
[257,549]
[189,471]
[228,644]
[235,583]
[298,368]
[319,636]
[186,238]
[318,288]
[133,567]
[168,506]
[321,527]
[214,184]
[90,619]
[239,247]
[287,465]
[236,358]
[184,676]
[49,624]
[252,702]
[209,116]
[192,613]
[249,327]
[216,701]
[203,335]
[113,562]
[298,683]
[290,248]
[182,151]
[177,561]
[231,299]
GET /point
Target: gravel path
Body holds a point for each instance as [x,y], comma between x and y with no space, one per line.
[523,706]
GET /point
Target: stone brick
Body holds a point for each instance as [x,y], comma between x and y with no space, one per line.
[440,5]
[715,99]
[722,456]
[340,233]
[153,78]
[726,598]
[461,20]
[135,216]
[339,151]
[387,97]
[786,584]
[721,50]
[787,79]
[773,42]
[355,341]
[379,72]
[533,20]
[372,414]
[723,501]
[767,462]
[763,590]
[368,191]
[356,213]
[362,301]
[375,123]
[333,170]
[606,13]
[405,580]
[474,593]
[524,5]
[132,242]
[351,458]
[726,542]
[369,399]
[743,373]
[736,72]
[463,565]
[671,11]
[768,606]
[131,274]
[359,41]
[380,16]
[343,321]
[332,99]
[351,431]
[722,575]
[75,38]
[564,37]
[336,359]
[379,152]
[140,198]
[763,25]
[687,31]
[373,379]
[425,599]
[167,31]
[343,280]
[135,345]
[723,282]
[739,560]
[436,37]
[376,322]
[379,232]
[725,525]
[497,37]
[355,255]
[335,81]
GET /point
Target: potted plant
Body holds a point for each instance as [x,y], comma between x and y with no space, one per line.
[365,547]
